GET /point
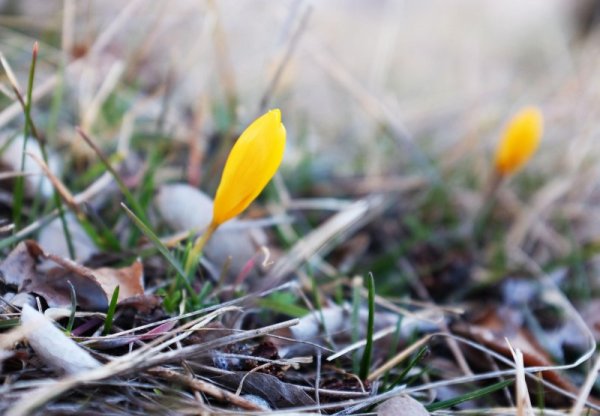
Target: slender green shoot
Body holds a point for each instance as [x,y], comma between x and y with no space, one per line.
[110,314]
[131,200]
[365,363]
[472,395]
[483,217]
[98,231]
[394,345]
[411,364]
[73,307]
[285,303]
[10,323]
[356,289]
[540,392]
[19,192]
[203,294]
[147,188]
[65,227]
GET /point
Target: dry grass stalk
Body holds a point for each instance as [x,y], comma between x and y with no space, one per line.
[523,401]
[205,387]
[132,362]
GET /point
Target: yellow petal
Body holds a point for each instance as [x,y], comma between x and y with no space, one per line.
[251,164]
[520,141]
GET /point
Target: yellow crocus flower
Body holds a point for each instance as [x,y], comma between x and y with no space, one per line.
[251,164]
[520,140]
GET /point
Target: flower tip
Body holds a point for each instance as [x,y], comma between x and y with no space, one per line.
[276,114]
[529,122]
[533,115]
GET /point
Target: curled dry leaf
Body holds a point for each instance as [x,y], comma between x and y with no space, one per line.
[129,279]
[93,287]
[401,405]
[501,324]
[53,347]
[144,303]
[54,287]
[280,395]
[20,269]
[19,265]
[185,208]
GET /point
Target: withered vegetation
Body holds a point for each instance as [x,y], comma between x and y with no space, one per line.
[389,267]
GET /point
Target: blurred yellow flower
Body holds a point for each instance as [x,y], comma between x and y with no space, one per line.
[520,141]
[251,164]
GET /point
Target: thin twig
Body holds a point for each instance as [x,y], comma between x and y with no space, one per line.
[266,98]
[204,387]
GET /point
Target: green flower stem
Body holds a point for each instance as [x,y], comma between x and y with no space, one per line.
[196,251]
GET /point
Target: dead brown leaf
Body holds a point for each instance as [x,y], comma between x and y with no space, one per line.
[144,303]
[493,329]
[18,265]
[93,287]
[53,286]
[129,279]
[279,394]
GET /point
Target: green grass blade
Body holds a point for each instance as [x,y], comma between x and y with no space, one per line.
[19,192]
[111,311]
[468,396]
[365,363]
[414,361]
[393,346]
[204,292]
[131,200]
[356,289]
[163,250]
[283,303]
[9,323]
[148,187]
[98,231]
[73,307]
[65,226]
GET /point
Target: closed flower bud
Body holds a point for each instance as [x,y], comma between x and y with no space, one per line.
[251,164]
[520,140]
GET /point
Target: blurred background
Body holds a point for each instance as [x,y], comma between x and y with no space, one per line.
[386,91]
[444,75]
